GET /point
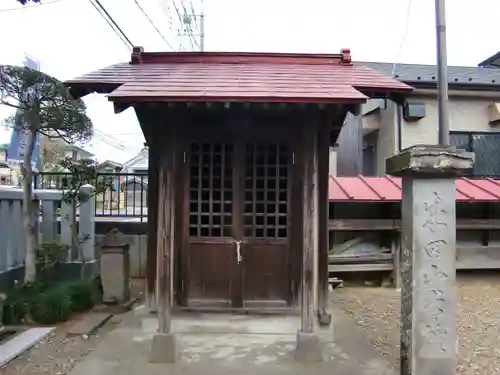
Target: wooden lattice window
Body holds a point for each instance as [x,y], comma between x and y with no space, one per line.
[210,188]
[266,190]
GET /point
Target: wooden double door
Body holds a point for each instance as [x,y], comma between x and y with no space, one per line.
[238,223]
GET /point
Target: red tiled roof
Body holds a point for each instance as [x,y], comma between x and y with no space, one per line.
[258,77]
[388,189]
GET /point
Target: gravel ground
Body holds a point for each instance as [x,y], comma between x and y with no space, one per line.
[57,354]
[377,311]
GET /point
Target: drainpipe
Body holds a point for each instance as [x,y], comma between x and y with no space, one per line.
[399,124]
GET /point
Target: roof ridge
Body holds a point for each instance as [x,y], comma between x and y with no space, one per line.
[139,56]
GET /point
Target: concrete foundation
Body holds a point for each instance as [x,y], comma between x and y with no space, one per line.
[223,344]
[309,348]
[164,348]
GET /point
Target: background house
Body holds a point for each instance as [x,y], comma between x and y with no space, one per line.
[5,170]
[75,152]
[133,183]
[384,127]
[138,164]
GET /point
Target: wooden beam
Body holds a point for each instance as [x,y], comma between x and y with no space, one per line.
[364,224]
[309,228]
[395,224]
[468,257]
[165,235]
[361,267]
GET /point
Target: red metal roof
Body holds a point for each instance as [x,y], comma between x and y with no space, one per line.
[257,77]
[388,189]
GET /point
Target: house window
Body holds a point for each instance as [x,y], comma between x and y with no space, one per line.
[140,171]
[369,154]
[486,147]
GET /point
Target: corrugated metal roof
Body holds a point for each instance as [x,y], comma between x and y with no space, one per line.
[415,74]
[388,189]
[238,77]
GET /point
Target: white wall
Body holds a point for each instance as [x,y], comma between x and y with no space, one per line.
[466,114]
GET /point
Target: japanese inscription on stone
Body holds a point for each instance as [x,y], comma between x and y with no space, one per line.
[433,328]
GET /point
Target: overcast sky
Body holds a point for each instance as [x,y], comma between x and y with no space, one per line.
[69,38]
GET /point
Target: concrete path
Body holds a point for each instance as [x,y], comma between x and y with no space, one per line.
[227,344]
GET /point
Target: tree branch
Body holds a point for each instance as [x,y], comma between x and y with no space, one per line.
[11,105]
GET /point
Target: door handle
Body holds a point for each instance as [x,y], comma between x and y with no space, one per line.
[239,258]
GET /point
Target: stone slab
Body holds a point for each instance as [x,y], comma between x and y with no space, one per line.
[22,342]
[309,348]
[89,324]
[430,160]
[164,348]
[119,308]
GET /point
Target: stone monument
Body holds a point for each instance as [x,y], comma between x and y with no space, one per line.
[428,296]
[115,268]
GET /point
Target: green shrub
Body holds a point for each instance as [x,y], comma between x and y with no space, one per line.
[51,306]
[47,303]
[13,309]
[81,295]
[18,302]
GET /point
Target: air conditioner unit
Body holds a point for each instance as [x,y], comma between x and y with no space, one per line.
[494,114]
[413,111]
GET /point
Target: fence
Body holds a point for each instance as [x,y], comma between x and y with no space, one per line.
[125,194]
[50,226]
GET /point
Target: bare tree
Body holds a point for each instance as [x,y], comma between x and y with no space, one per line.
[81,172]
[43,106]
[24,2]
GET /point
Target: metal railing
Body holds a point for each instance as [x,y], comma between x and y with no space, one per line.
[121,194]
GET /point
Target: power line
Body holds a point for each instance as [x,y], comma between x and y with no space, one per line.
[24,7]
[110,19]
[181,23]
[152,24]
[189,27]
[110,25]
[405,31]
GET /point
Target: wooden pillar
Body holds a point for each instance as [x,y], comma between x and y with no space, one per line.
[310,231]
[308,343]
[165,236]
[323,176]
[164,347]
[152,199]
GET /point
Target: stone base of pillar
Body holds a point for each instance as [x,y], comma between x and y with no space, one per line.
[309,348]
[151,304]
[164,348]
[324,318]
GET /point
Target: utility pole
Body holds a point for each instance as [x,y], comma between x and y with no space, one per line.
[442,64]
[202,28]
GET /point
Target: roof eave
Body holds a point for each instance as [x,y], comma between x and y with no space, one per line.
[455,86]
[232,99]
[489,60]
[78,89]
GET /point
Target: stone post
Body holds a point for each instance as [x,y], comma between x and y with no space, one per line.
[87,223]
[428,295]
[66,215]
[115,268]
